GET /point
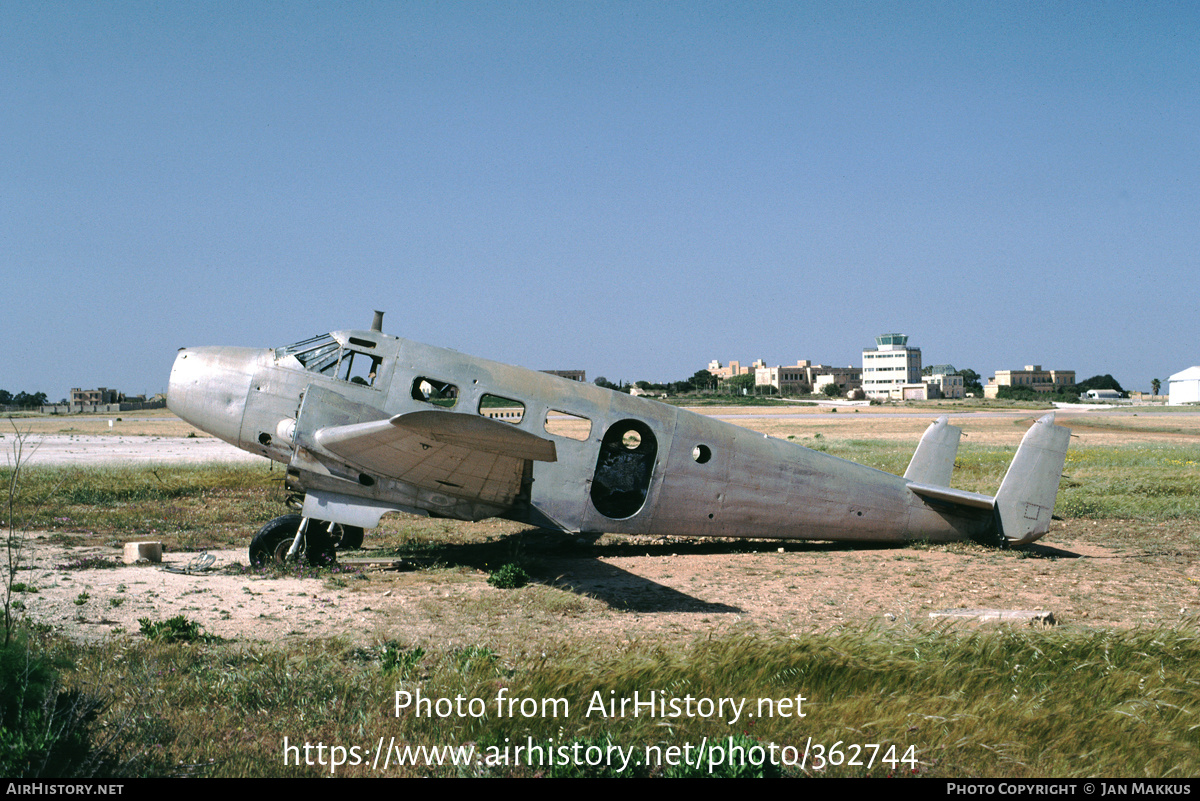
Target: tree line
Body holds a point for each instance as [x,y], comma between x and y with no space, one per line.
[23,399]
[700,380]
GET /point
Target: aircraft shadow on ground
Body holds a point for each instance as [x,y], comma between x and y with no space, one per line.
[1039,551]
[575,563]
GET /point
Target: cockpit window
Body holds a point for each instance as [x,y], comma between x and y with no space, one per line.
[358,368]
[326,356]
[319,354]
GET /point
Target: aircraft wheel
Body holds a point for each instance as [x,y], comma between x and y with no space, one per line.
[342,538]
[350,539]
[320,548]
[273,541]
[270,545]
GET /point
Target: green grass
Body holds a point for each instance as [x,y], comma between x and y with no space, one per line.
[186,506]
[1147,483]
[1007,702]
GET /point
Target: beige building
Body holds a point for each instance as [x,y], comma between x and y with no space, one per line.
[1032,377]
[847,379]
[890,365]
[804,377]
[791,380]
[103,400]
[92,400]
[732,369]
[947,380]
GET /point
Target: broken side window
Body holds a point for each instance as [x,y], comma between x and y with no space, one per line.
[430,390]
[319,354]
[624,468]
[565,424]
[505,409]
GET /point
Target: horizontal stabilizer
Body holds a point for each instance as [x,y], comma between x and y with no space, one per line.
[972,500]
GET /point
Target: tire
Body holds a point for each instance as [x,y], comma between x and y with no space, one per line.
[272,542]
[351,537]
[320,549]
[270,545]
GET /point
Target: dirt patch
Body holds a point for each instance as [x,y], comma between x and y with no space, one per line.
[617,589]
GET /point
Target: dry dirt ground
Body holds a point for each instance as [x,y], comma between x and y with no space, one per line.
[625,589]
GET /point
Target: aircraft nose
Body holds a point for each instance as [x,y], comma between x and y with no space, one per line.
[208,388]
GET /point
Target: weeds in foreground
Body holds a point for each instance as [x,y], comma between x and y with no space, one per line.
[20,506]
[50,730]
[992,703]
[396,659]
[508,577]
[175,629]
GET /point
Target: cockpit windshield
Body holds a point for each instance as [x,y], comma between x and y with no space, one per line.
[327,356]
[319,354]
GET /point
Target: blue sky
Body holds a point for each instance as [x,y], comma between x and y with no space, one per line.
[628,188]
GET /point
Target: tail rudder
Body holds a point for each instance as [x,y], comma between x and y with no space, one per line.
[1026,498]
[933,462]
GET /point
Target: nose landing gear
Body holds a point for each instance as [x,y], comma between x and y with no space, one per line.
[320,543]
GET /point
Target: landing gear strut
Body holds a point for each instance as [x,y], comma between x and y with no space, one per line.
[320,543]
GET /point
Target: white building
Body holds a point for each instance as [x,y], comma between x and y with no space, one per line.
[890,365]
[1184,387]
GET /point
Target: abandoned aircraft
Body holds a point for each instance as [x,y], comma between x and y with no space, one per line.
[369,423]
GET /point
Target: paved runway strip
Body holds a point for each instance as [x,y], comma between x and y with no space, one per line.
[86,451]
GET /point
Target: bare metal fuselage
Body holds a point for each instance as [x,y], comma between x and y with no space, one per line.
[397,439]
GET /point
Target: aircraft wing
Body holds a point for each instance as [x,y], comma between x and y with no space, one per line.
[449,452]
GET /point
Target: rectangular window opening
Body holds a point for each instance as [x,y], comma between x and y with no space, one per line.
[506,410]
[571,426]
